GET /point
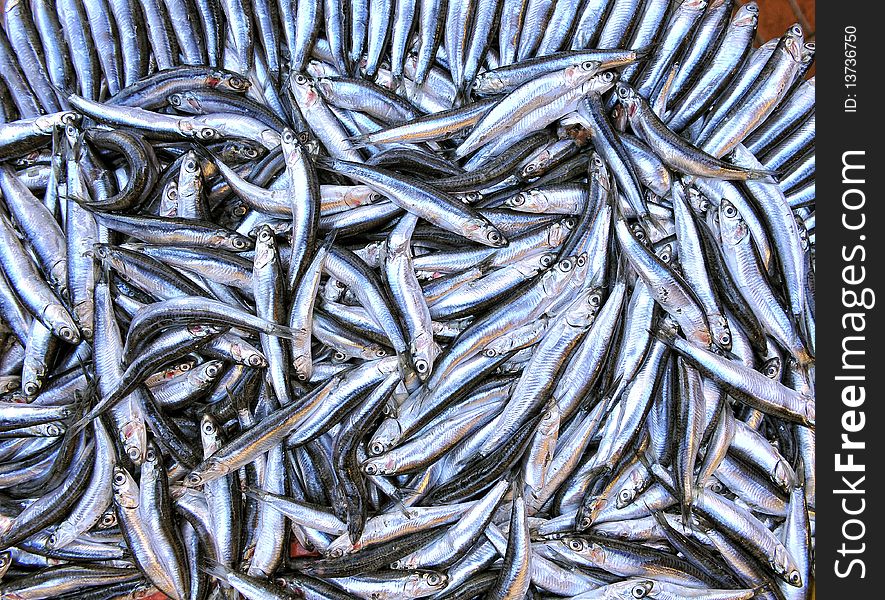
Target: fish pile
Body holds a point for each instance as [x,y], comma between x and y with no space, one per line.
[398,299]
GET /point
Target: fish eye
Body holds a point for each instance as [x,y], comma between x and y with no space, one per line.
[434,579]
[623,92]
[208,427]
[119,478]
[236,82]
[752,8]
[576,544]
[300,79]
[421,365]
[796,30]
[52,540]
[376,448]
[582,260]
[175,100]
[546,260]
[194,479]
[288,136]
[729,211]
[810,46]
[595,299]
[566,265]
[207,133]
[395,564]
[239,243]
[191,165]
[370,469]
[587,65]
[625,496]
[66,333]
[380,352]
[54,430]
[150,455]
[339,356]
[133,453]
[795,578]
[494,237]
[586,522]
[109,519]
[639,591]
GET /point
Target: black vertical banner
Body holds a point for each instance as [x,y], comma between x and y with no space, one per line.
[850,289]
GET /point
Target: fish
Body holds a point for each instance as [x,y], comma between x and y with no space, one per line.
[400,299]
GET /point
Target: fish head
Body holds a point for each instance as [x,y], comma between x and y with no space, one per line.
[559,231]
[536,163]
[424,351]
[227,81]
[640,589]
[265,247]
[794,43]
[231,241]
[527,200]
[600,83]
[5,562]
[380,465]
[628,98]
[732,227]
[746,16]
[207,373]
[783,564]
[305,92]
[125,489]
[185,102]
[480,230]
[585,307]
[557,277]
[190,165]
[721,332]
[210,435]
[385,437]
[62,323]
[576,75]
[430,581]
[488,82]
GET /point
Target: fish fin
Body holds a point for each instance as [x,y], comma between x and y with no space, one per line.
[324,162]
[359,141]
[213,568]
[254,492]
[649,219]
[645,51]
[764,175]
